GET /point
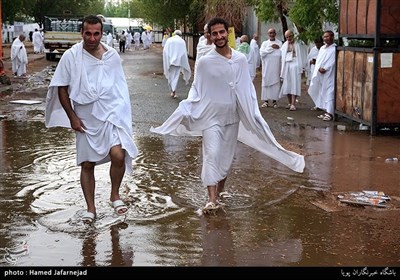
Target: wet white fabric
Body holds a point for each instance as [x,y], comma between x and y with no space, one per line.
[227,102]
[100,97]
[219,145]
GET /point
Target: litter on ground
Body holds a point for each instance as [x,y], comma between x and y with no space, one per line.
[367,198]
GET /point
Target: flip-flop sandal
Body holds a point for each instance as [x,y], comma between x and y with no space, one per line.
[119,206]
[224,195]
[88,217]
[211,208]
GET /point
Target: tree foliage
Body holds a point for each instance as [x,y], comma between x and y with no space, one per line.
[36,9]
[166,13]
[234,11]
[311,15]
[308,15]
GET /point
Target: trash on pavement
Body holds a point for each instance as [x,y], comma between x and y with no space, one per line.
[366,198]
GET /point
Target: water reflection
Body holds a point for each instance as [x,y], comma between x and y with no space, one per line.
[117,255]
[269,220]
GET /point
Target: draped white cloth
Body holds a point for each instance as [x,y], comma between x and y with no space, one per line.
[256,48]
[230,100]
[100,98]
[310,67]
[110,40]
[145,40]
[37,40]
[271,70]
[322,86]
[292,67]
[202,49]
[175,54]
[19,57]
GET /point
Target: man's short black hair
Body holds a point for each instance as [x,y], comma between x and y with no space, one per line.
[92,19]
[215,21]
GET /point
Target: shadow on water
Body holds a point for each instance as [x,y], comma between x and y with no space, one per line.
[269,221]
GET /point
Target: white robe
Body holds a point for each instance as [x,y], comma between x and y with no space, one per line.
[202,49]
[145,40]
[271,70]
[322,86]
[175,54]
[310,67]
[255,47]
[19,57]
[110,40]
[236,101]
[291,70]
[136,39]
[37,41]
[100,98]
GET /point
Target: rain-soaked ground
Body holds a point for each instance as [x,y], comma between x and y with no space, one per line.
[275,217]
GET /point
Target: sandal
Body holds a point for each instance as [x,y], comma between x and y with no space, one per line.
[223,195]
[327,117]
[264,105]
[88,217]
[211,208]
[119,206]
[321,116]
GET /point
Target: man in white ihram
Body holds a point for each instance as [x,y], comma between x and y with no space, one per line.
[322,85]
[19,57]
[175,61]
[270,53]
[89,94]
[222,108]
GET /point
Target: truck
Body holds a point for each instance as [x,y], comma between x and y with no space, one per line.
[61,33]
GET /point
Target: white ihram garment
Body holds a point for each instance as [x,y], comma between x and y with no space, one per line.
[271,70]
[322,86]
[292,66]
[19,57]
[223,94]
[100,98]
[175,60]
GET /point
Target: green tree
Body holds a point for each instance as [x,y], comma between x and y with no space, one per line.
[24,10]
[166,13]
[310,16]
[14,10]
[273,11]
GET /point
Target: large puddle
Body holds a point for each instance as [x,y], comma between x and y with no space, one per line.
[268,221]
[275,217]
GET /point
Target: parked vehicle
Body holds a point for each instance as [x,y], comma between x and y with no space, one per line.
[60,33]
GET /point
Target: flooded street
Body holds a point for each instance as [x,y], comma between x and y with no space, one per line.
[275,217]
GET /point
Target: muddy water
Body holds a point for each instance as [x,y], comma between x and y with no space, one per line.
[274,218]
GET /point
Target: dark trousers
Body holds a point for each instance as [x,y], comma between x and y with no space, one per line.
[121,46]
